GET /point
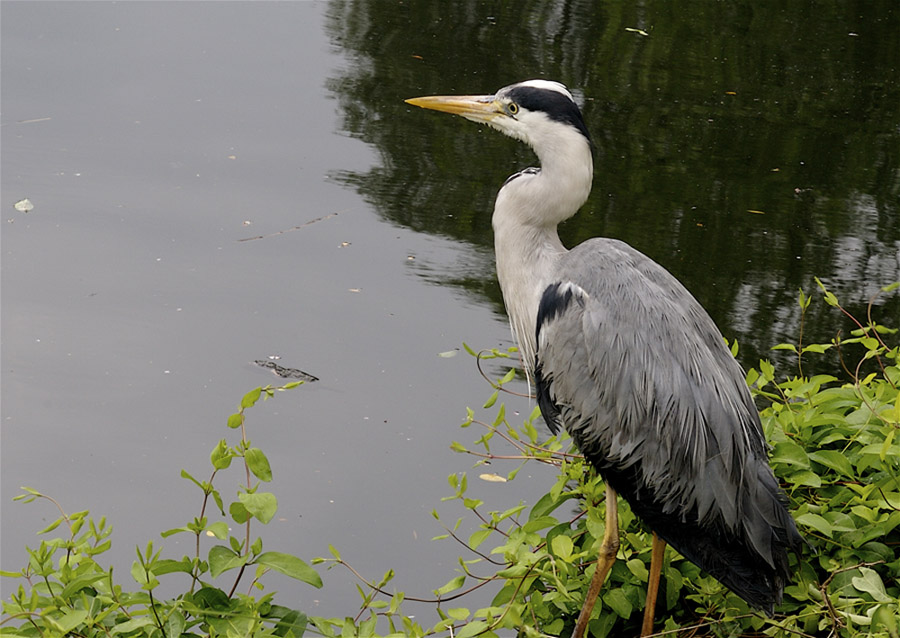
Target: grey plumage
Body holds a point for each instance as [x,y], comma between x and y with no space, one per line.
[636,371]
[627,361]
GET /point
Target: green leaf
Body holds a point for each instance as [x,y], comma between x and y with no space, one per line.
[889,440]
[220,456]
[235,420]
[80,583]
[132,625]
[142,576]
[175,623]
[250,399]
[886,616]
[238,512]
[816,522]
[789,453]
[818,348]
[804,300]
[261,505]
[458,613]
[290,566]
[169,566]
[474,628]
[212,598]
[618,602]
[539,523]
[870,583]
[545,505]
[71,619]
[219,530]
[396,601]
[834,460]
[452,585]
[805,477]
[258,464]
[830,299]
[478,537]
[184,474]
[222,558]
[52,526]
[562,547]
[637,567]
[501,415]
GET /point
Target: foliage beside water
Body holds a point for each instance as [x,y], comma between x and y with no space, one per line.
[835,449]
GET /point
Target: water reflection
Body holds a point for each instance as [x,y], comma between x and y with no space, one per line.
[746,148]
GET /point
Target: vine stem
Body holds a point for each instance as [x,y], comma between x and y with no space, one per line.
[430,601]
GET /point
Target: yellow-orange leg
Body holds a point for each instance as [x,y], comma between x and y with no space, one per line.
[656,560]
[608,549]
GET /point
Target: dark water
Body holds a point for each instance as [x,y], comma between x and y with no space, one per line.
[748,147]
[149,135]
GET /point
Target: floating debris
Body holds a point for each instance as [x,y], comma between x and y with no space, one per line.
[24,206]
[286,373]
[281,232]
[492,478]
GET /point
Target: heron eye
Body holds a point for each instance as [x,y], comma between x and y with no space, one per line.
[513,108]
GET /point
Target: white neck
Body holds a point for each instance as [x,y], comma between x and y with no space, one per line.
[526,214]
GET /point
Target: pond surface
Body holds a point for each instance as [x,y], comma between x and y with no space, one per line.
[217,183]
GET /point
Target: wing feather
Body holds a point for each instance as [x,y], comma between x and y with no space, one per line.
[636,371]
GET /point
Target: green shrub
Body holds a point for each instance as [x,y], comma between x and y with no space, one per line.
[67,592]
[836,451]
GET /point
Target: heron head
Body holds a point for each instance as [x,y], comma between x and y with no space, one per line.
[534,111]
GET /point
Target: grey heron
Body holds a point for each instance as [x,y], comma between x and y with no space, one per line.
[626,360]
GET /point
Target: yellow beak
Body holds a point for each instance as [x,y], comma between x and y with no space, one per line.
[478,108]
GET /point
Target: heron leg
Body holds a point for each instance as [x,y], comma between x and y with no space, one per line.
[608,549]
[656,560]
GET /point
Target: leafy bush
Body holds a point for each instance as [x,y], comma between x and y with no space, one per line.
[67,592]
[835,450]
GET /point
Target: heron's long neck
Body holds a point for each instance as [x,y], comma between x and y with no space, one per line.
[528,209]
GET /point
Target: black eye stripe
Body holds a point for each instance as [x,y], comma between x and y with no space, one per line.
[555,105]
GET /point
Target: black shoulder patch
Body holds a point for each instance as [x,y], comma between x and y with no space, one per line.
[556,298]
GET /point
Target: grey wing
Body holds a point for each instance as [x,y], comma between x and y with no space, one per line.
[637,372]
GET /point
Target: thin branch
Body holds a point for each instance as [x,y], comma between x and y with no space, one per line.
[430,601]
[494,384]
[466,545]
[288,230]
